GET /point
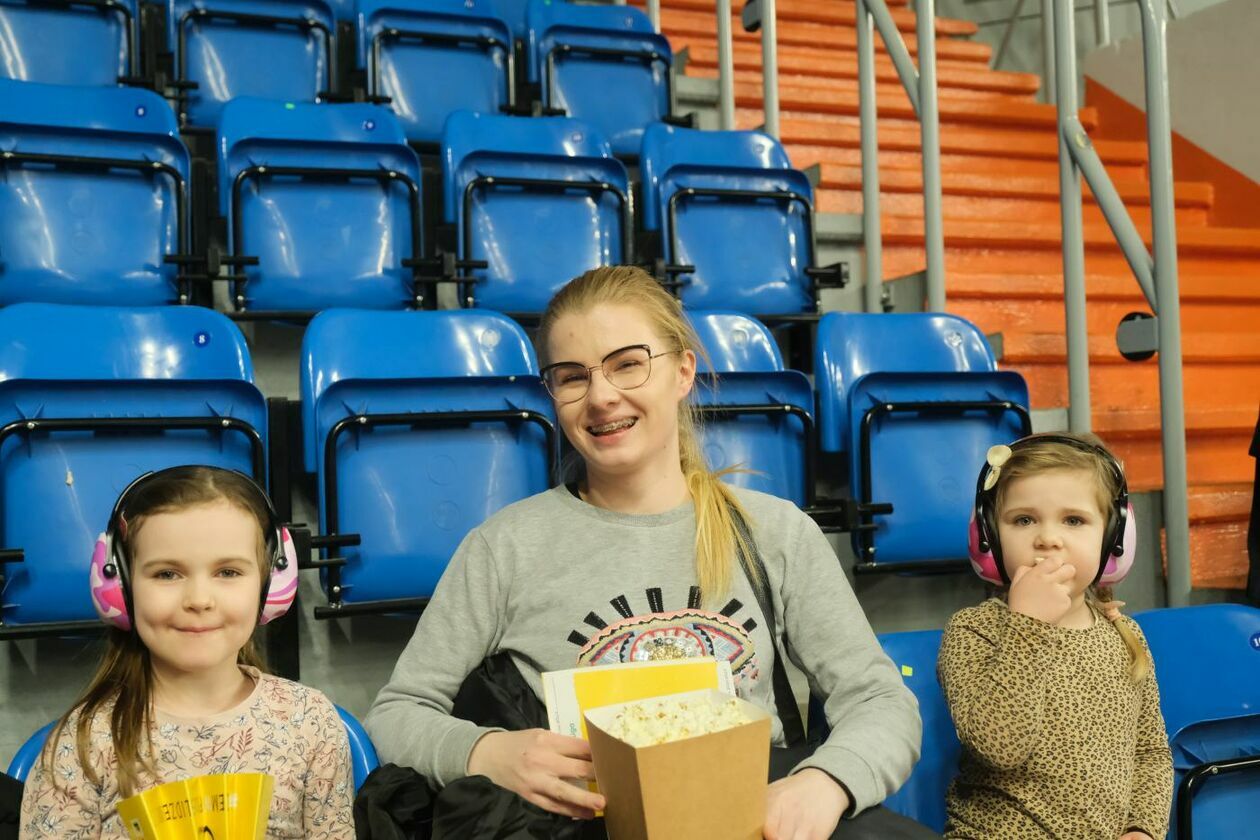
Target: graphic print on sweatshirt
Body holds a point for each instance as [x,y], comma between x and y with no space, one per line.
[679,634]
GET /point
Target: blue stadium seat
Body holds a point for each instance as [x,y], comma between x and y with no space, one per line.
[90,399]
[760,415]
[580,54]
[323,206]
[513,13]
[363,758]
[741,185]
[1207,661]
[433,57]
[535,202]
[440,414]
[922,797]
[26,756]
[95,43]
[913,401]
[93,196]
[274,49]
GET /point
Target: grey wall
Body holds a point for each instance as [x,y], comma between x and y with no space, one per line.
[1212,77]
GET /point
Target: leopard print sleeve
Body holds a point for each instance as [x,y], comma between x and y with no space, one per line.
[992,666]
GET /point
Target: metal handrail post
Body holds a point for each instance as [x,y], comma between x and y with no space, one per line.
[1102,22]
[930,137]
[1064,52]
[654,14]
[1047,50]
[726,66]
[1164,240]
[770,66]
[872,238]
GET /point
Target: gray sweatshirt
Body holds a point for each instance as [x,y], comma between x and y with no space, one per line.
[558,583]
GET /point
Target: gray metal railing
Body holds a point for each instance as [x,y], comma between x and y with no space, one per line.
[920,86]
[1156,275]
[763,15]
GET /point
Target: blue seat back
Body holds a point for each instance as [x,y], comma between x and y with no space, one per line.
[229,49]
[414,493]
[852,344]
[434,57]
[758,263]
[26,756]
[513,13]
[103,365]
[363,758]
[580,53]
[747,369]
[1207,662]
[924,464]
[93,46]
[535,238]
[922,797]
[72,234]
[320,241]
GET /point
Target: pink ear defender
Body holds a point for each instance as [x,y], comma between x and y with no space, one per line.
[108,571]
[1119,537]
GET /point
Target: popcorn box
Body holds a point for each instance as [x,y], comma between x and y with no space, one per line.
[711,786]
[228,806]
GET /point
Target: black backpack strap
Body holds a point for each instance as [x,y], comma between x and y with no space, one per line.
[755,570]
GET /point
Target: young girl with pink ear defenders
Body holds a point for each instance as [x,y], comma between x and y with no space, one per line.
[192,560]
[1053,696]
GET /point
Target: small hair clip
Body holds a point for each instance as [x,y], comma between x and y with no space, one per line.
[996,457]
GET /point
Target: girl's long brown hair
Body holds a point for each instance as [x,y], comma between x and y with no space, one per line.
[1042,456]
[718,539]
[125,674]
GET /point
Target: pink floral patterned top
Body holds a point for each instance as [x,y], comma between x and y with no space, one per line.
[283,728]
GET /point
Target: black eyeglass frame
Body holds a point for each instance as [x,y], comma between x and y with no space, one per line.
[590,371]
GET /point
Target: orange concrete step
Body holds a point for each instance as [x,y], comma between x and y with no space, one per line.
[976,194]
[1003,142]
[684,27]
[1218,369]
[890,91]
[835,13]
[978,159]
[840,64]
[1219,515]
[1017,234]
[992,112]
[987,209]
[1216,445]
[1031,302]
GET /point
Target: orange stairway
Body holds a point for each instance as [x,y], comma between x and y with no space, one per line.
[1002,239]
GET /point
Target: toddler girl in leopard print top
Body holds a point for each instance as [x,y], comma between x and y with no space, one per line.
[1052,691]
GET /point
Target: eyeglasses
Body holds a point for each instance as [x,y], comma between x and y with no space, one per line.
[625,369]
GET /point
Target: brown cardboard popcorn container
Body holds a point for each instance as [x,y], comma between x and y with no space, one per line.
[711,786]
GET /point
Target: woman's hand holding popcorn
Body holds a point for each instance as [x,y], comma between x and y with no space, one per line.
[804,806]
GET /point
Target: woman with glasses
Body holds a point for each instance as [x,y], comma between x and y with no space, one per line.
[646,554]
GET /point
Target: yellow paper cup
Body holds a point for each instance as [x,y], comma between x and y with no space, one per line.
[226,806]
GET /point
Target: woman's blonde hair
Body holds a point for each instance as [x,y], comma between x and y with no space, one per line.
[125,674]
[718,538]
[1039,456]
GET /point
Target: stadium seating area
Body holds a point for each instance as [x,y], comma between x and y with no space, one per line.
[410,181]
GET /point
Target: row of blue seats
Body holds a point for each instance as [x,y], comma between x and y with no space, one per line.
[322,207]
[1208,685]
[427,58]
[443,415]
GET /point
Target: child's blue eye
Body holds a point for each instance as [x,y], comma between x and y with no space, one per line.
[230,572]
[1023,520]
[1074,521]
[165,574]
